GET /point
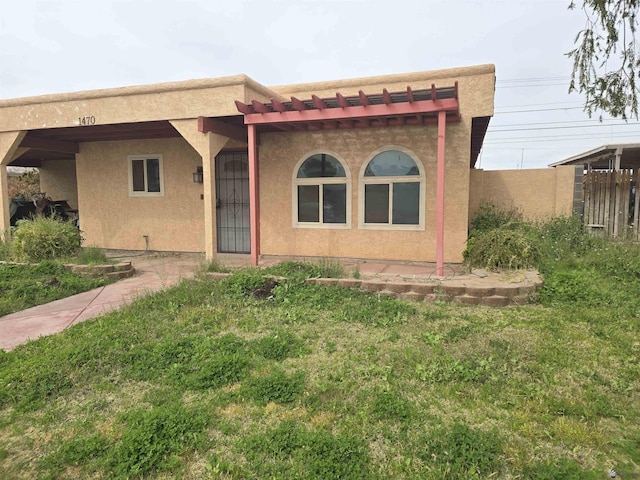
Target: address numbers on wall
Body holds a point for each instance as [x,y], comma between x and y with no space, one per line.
[85,121]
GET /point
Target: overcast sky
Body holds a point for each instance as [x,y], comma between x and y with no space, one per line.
[69,45]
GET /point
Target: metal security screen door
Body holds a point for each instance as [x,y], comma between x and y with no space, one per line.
[232,204]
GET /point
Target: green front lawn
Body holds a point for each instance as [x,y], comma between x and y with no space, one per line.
[25,286]
[237,380]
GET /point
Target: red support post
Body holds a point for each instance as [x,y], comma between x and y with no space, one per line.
[442,122]
[254,194]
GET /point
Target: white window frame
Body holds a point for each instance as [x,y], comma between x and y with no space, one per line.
[146,193]
[320,181]
[421,179]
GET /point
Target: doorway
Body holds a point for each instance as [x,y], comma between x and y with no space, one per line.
[232,203]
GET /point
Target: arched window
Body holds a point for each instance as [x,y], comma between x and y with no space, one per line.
[321,192]
[392,190]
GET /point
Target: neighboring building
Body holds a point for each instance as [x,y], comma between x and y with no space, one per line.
[609,177]
[370,168]
[606,157]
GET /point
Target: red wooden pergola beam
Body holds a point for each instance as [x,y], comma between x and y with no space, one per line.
[355,112]
[364,100]
[386,96]
[342,101]
[410,94]
[298,104]
[243,108]
[278,106]
[259,106]
[318,102]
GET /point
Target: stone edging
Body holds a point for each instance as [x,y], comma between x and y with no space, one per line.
[498,296]
[116,271]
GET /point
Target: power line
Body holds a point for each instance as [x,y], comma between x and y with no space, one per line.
[555,138]
[532,79]
[588,120]
[558,128]
[539,110]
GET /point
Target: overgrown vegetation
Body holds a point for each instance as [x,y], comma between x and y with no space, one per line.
[211,380]
[576,267]
[44,244]
[45,238]
[27,184]
[261,375]
[24,286]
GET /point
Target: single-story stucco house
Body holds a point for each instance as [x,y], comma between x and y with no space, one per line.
[369,168]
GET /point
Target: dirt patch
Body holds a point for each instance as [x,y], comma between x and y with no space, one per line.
[264,291]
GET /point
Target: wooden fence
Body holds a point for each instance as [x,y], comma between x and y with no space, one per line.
[611,202]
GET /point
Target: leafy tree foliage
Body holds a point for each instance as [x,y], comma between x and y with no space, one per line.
[606,57]
[26,184]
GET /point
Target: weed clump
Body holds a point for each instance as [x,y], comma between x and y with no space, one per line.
[153,439]
[45,239]
[308,453]
[502,248]
[460,452]
[276,387]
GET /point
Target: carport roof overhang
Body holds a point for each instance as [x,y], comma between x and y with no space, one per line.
[64,143]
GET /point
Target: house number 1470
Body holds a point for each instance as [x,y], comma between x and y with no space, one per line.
[88,120]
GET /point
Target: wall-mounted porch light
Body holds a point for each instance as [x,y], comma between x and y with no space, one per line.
[197,175]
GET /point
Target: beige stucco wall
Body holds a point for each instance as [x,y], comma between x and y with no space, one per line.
[110,218]
[58,181]
[537,193]
[175,100]
[279,154]
[475,86]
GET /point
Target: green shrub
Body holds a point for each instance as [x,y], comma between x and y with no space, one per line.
[45,239]
[502,248]
[489,217]
[461,452]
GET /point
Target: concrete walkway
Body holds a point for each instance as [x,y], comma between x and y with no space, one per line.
[154,272]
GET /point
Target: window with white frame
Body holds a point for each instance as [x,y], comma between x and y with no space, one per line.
[321,193]
[145,176]
[392,191]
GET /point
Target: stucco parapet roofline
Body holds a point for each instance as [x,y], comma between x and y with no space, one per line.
[200,84]
[431,75]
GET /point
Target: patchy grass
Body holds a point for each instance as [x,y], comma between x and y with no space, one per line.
[209,380]
[24,286]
